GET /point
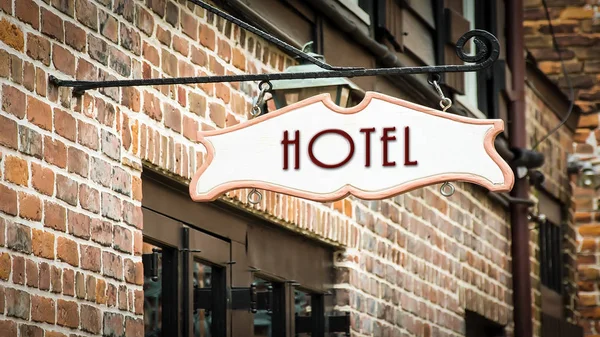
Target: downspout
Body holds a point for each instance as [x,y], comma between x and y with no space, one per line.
[522,302]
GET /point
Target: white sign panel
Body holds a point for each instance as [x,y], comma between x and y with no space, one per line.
[317,150]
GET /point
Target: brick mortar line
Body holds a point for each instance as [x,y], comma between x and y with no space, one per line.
[72,175]
[59,264]
[89,242]
[79,241]
[442,252]
[439,307]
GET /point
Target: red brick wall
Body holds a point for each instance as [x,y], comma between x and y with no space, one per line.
[70,187]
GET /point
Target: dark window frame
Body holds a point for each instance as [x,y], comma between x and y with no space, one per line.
[240,231]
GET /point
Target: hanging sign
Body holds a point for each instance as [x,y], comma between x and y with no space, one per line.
[382,147]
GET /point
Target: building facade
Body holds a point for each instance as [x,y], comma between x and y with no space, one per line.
[98,235]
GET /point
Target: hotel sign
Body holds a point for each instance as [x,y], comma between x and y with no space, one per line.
[380,148]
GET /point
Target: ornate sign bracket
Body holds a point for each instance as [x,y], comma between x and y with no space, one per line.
[487,46]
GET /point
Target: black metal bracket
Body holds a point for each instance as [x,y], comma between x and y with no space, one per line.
[487,51]
[333,324]
[241,299]
[150,263]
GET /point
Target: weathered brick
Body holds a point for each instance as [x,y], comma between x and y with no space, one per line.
[224,50]
[86,71]
[13,101]
[150,54]
[2,233]
[122,305]
[69,282]
[90,258]
[189,25]
[88,135]
[197,104]
[39,113]
[130,39]
[78,162]
[67,313]
[132,214]
[122,239]
[18,237]
[44,276]
[9,328]
[134,272]
[169,63]
[217,114]
[138,302]
[29,76]
[30,206]
[67,251]
[111,295]
[112,265]
[54,216]
[30,143]
[65,124]
[138,242]
[75,36]
[55,152]
[31,330]
[172,117]
[16,170]
[18,270]
[31,269]
[120,62]
[17,303]
[90,319]
[207,37]
[43,309]
[63,60]
[164,36]
[145,21]
[111,206]
[66,189]
[239,59]
[16,68]
[29,12]
[101,297]
[100,171]
[4,64]
[8,133]
[125,8]
[134,327]
[11,35]
[98,49]
[38,48]
[190,128]
[54,334]
[56,280]
[87,13]
[43,244]
[65,6]
[5,266]
[111,145]
[152,106]
[79,224]
[182,46]
[42,179]
[52,25]
[109,26]
[113,325]
[102,232]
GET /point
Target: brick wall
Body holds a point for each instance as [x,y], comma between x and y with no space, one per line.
[71,224]
[576,25]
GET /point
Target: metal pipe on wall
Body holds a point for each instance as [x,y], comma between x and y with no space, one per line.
[522,302]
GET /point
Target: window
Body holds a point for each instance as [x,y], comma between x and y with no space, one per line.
[476,90]
[212,271]
[550,237]
[479,326]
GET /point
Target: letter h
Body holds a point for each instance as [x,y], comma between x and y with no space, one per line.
[294,142]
